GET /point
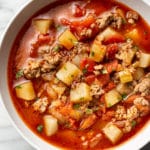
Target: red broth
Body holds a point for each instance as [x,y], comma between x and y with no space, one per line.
[21,51]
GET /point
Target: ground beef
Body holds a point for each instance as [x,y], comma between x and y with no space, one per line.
[132,17]
[41,104]
[132,113]
[35,68]
[120,113]
[96,90]
[143,87]
[125,51]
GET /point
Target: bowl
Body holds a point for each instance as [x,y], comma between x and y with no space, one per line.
[15,25]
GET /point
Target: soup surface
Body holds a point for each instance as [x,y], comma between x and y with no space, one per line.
[79,75]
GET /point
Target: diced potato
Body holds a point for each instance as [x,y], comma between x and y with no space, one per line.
[25,91]
[123,88]
[42,25]
[138,74]
[68,72]
[133,34]
[112,98]
[50,125]
[67,39]
[112,132]
[80,94]
[98,51]
[109,35]
[129,56]
[58,89]
[125,76]
[144,60]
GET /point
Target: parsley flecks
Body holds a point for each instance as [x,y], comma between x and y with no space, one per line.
[84,70]
[123,21]
[76,106]
[40,128]
[124,96]
[19,74]
[104,71]
[136,47]
[133,123]
[18,87]
[58,27]
[92,53]
[88,111]
[56,48]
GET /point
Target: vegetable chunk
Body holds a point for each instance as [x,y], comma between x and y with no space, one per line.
[67,39]
[80,94]
[144,60]
[25,91]
[50,125]
[125,76]
[68,73]
[98,51]
[112,132]
[112,98]
[109,35]
[42,25]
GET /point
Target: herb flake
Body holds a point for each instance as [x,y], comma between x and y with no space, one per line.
[19,74]
[133,123]
[84,70]
[76,106]
[40,128]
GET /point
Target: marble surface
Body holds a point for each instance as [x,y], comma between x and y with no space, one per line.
[9,138]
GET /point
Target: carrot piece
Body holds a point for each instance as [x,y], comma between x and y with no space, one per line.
[130,99]
[84,23]
[111,66]
[110,86]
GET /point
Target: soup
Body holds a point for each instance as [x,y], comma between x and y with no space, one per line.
[79,74]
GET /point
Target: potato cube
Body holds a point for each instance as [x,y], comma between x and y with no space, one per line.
[80,94]
[50,125]
[42,25]
[144,60]
[67,39]
[133,34]
[112,98]
[68,72]
[112,132]
[139,73]
[98,51]
[25,91]
[125,76]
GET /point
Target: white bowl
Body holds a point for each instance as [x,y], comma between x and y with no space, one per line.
[10,34]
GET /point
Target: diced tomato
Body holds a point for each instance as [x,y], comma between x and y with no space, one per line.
[117,38]
[85,22]
[103,79]
[110,86]
[87,64]
[78,11]
[44,39]
[108,115]
[111,66]
[90,79]
[102,103]
[111,51]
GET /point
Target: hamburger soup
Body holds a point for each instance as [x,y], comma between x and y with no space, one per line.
[79,76]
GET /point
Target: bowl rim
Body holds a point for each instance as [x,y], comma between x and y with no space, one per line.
[131,140]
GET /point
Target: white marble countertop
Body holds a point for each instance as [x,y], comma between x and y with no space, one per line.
[9,138]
